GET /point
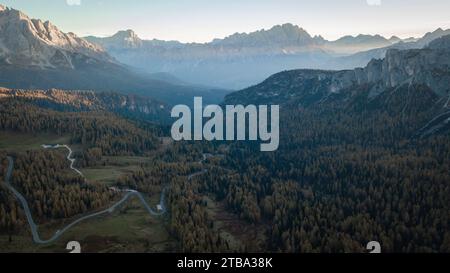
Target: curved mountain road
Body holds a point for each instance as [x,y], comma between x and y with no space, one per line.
[69,156]
[129,194]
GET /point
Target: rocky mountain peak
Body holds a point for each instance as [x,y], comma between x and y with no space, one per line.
[394,39]
[25,41]
[13,14]
[289,28]
[279,35]
[127,39]
[126,34]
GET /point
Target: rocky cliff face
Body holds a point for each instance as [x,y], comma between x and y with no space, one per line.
[428,67]
[126,39]
[404,85]
[25,41]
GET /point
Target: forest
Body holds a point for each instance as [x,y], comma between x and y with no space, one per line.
[348,171]
[113,134]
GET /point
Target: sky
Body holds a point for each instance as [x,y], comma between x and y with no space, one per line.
[204,20]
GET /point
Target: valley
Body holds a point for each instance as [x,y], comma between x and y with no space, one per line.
[357,148]
[126,224]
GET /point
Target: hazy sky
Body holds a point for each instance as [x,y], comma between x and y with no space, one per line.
[203,20]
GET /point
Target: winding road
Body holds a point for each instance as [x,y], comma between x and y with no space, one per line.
[129,194]
[69,156]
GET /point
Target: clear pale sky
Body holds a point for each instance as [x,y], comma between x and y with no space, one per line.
[203,20]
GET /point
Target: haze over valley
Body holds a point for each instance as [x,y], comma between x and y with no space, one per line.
[245,59]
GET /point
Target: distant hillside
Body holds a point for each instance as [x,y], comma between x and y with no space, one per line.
[88,120]
[77,101]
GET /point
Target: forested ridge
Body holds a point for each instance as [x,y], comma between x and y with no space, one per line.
[75,101]
[112,134]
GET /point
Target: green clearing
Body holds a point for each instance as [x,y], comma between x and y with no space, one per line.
[131,229]
[126,160]
[20,142]
[107,175]
[115,167]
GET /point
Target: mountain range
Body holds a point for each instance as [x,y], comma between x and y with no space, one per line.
[244,59]
[37,55]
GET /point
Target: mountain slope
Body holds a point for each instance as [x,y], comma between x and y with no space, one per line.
[25,41]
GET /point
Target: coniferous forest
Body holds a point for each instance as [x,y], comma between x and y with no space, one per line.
[346,173]
[363,156]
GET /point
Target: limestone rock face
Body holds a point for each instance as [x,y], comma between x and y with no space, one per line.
[428,67]
[25,41]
